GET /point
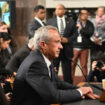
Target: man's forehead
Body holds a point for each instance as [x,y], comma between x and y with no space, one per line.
[52,31]
[84,11]
[42,10]
[60,6]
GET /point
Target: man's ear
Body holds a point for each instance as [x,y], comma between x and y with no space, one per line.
[32,47]
[42,44]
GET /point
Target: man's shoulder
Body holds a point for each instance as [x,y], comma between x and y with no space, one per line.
[34,56]
[34,22]
[22,50]
[89,22]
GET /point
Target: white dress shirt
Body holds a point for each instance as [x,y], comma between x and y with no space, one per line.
[48,63]
[59,22]
[39,21]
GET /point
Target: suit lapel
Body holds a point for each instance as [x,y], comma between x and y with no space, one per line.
[55,21]
[67,22]
[41,58]
[37,23]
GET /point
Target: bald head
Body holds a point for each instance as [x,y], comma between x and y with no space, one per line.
[60,10]
[60,5]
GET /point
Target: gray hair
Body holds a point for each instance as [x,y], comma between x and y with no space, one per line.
[31,42]
[42,34]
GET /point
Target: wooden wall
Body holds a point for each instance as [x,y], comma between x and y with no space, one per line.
[24,15]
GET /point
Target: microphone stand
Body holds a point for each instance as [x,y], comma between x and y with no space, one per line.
[93,85]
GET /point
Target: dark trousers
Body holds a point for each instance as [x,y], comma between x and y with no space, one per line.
[66,67]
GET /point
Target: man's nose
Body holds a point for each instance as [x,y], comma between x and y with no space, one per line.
[60,46]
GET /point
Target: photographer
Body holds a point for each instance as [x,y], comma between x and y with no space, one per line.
[98,71]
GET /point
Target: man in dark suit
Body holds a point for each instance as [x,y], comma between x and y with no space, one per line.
[40,14]
[19,56]
[68,34]
[36,83]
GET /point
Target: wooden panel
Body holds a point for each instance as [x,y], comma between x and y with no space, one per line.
[24,15]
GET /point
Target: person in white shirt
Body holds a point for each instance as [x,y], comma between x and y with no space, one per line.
[67,30]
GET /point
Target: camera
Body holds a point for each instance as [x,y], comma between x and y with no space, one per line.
[99,64]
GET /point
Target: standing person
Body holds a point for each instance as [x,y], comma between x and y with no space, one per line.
[82,43]
[36,83]
[67,30]
[40,14]
[98,21]
[98,37]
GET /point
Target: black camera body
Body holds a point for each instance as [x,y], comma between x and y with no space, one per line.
[100,64]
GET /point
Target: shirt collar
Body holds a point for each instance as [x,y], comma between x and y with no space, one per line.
[39,21]
[60,17]
[47,61]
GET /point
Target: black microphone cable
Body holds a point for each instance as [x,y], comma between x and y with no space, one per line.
[93,85]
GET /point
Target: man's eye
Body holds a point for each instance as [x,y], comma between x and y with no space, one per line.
[57,41]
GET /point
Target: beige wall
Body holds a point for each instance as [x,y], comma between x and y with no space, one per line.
[75,3]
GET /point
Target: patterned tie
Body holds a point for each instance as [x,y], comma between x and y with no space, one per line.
[61,27]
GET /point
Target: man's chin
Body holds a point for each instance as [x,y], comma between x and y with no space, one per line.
[57,56]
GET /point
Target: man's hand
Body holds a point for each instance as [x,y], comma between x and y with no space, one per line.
[79,26]
[7,97]
[103,68]
[64,40]
[94,65]
[93,96]
[85,90]
[97,41]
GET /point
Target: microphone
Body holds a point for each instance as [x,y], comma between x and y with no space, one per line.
[93,85]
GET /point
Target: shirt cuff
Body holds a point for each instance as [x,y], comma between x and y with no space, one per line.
[92,39]
[80,92]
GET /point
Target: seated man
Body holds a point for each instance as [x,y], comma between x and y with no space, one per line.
[36,83]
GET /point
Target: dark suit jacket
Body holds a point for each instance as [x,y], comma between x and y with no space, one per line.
[33,86]
[17,59]
[32,27]
[70,33]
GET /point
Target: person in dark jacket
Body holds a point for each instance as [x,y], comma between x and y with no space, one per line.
[40,14]
[82,43]
[19,56]
[68,32]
